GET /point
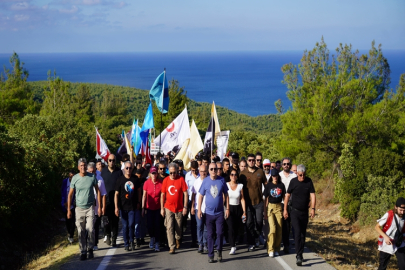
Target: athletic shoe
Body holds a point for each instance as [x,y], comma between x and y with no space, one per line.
[126,248]
[129,247]
[83,256]
[200,249]
[105,238]
[133,245]
[70,239]
[299,261]
[108,241]
[232,251]
[271,254]
[205,250]
[219,256]
[95,248]
[211,260]
[91,255]
[252,248]
[276,253]
[152,242]
[157,246]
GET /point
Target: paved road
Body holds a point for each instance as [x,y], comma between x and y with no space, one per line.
[187,258]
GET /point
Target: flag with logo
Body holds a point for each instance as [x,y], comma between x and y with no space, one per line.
[160,93]
[173,137]
[209,137]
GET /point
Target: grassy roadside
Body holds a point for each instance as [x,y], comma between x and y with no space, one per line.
[58,252]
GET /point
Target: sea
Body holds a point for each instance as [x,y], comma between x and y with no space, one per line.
[246,82]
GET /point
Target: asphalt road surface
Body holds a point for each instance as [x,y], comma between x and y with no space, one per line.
[188,258]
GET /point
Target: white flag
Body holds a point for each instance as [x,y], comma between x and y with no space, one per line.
[175,134]
[222,143]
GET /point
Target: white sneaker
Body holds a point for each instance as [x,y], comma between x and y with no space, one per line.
[95,248]
[276,253]
[271,254]
[105,238]
[157,246]
[252,248]
[70,239]
[232,251]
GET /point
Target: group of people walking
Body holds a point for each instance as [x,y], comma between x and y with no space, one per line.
[224,200]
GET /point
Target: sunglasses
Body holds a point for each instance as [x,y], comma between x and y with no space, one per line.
[213,169]
[173,173]
[266,166]
[127,168]
[251,160]
[111,160]
[258,160]
[301,175]
[284,164]
[219,169]
[233,174]
[161,169]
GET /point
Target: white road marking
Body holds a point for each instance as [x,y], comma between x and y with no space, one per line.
[110,253]
[283,263]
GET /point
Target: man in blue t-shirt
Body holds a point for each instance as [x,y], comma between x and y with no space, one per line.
[215,191]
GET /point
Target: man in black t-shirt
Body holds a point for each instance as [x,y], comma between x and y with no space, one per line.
[127,200]
[110,175]
[302,190]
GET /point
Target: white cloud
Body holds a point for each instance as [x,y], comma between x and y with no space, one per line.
[21,17]
[20,6]
[74,9]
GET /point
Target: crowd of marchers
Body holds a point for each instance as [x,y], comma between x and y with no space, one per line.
[245,202]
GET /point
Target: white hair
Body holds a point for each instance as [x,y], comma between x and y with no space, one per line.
[301,168]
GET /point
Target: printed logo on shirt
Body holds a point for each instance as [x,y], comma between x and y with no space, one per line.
[275,192]
[170,189]
[129,187]
[214,191]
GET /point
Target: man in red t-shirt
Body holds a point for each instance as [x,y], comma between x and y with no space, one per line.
[173,205]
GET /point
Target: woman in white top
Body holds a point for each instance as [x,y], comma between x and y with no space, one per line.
[236,208]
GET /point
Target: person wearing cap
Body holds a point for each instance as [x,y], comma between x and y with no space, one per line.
[259,159]
[173,203]
[190,178]
[266,168]
[151,203]
[387,227]
[286,176]
[273,211]
[302,189]
[252,179]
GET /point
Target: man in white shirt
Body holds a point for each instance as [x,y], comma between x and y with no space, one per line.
[387,227]
[190,179]
[286,175]
[201,228]
[91,168]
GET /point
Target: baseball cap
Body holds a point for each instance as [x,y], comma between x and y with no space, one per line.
[153,169]
[273,172]
[400,202]
[235,155]
[266,162]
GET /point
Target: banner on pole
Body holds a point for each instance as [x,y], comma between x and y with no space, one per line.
[222,143]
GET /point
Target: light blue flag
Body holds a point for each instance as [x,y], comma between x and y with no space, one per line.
[160,93]
[135,137]
[147,124]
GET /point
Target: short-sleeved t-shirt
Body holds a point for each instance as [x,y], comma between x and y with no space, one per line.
[153,191]
[390,249]
[190,180]
[252,185]
[101,187]
[110,180]
[275,192]
[300,192]
[195,189]
[213,190]
[234,195]
[128,192]
[174,190]
[83,185]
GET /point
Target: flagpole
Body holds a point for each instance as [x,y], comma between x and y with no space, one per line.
[161,114]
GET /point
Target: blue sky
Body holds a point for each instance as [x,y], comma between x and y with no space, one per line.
[31,26]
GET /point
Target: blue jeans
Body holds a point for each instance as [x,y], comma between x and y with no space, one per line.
[154,221]
[201,229]
[128,222]
[214,222]
[140,224]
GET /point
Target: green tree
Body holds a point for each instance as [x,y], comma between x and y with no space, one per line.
[16,98]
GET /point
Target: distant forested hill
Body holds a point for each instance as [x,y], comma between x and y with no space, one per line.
[137,102]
